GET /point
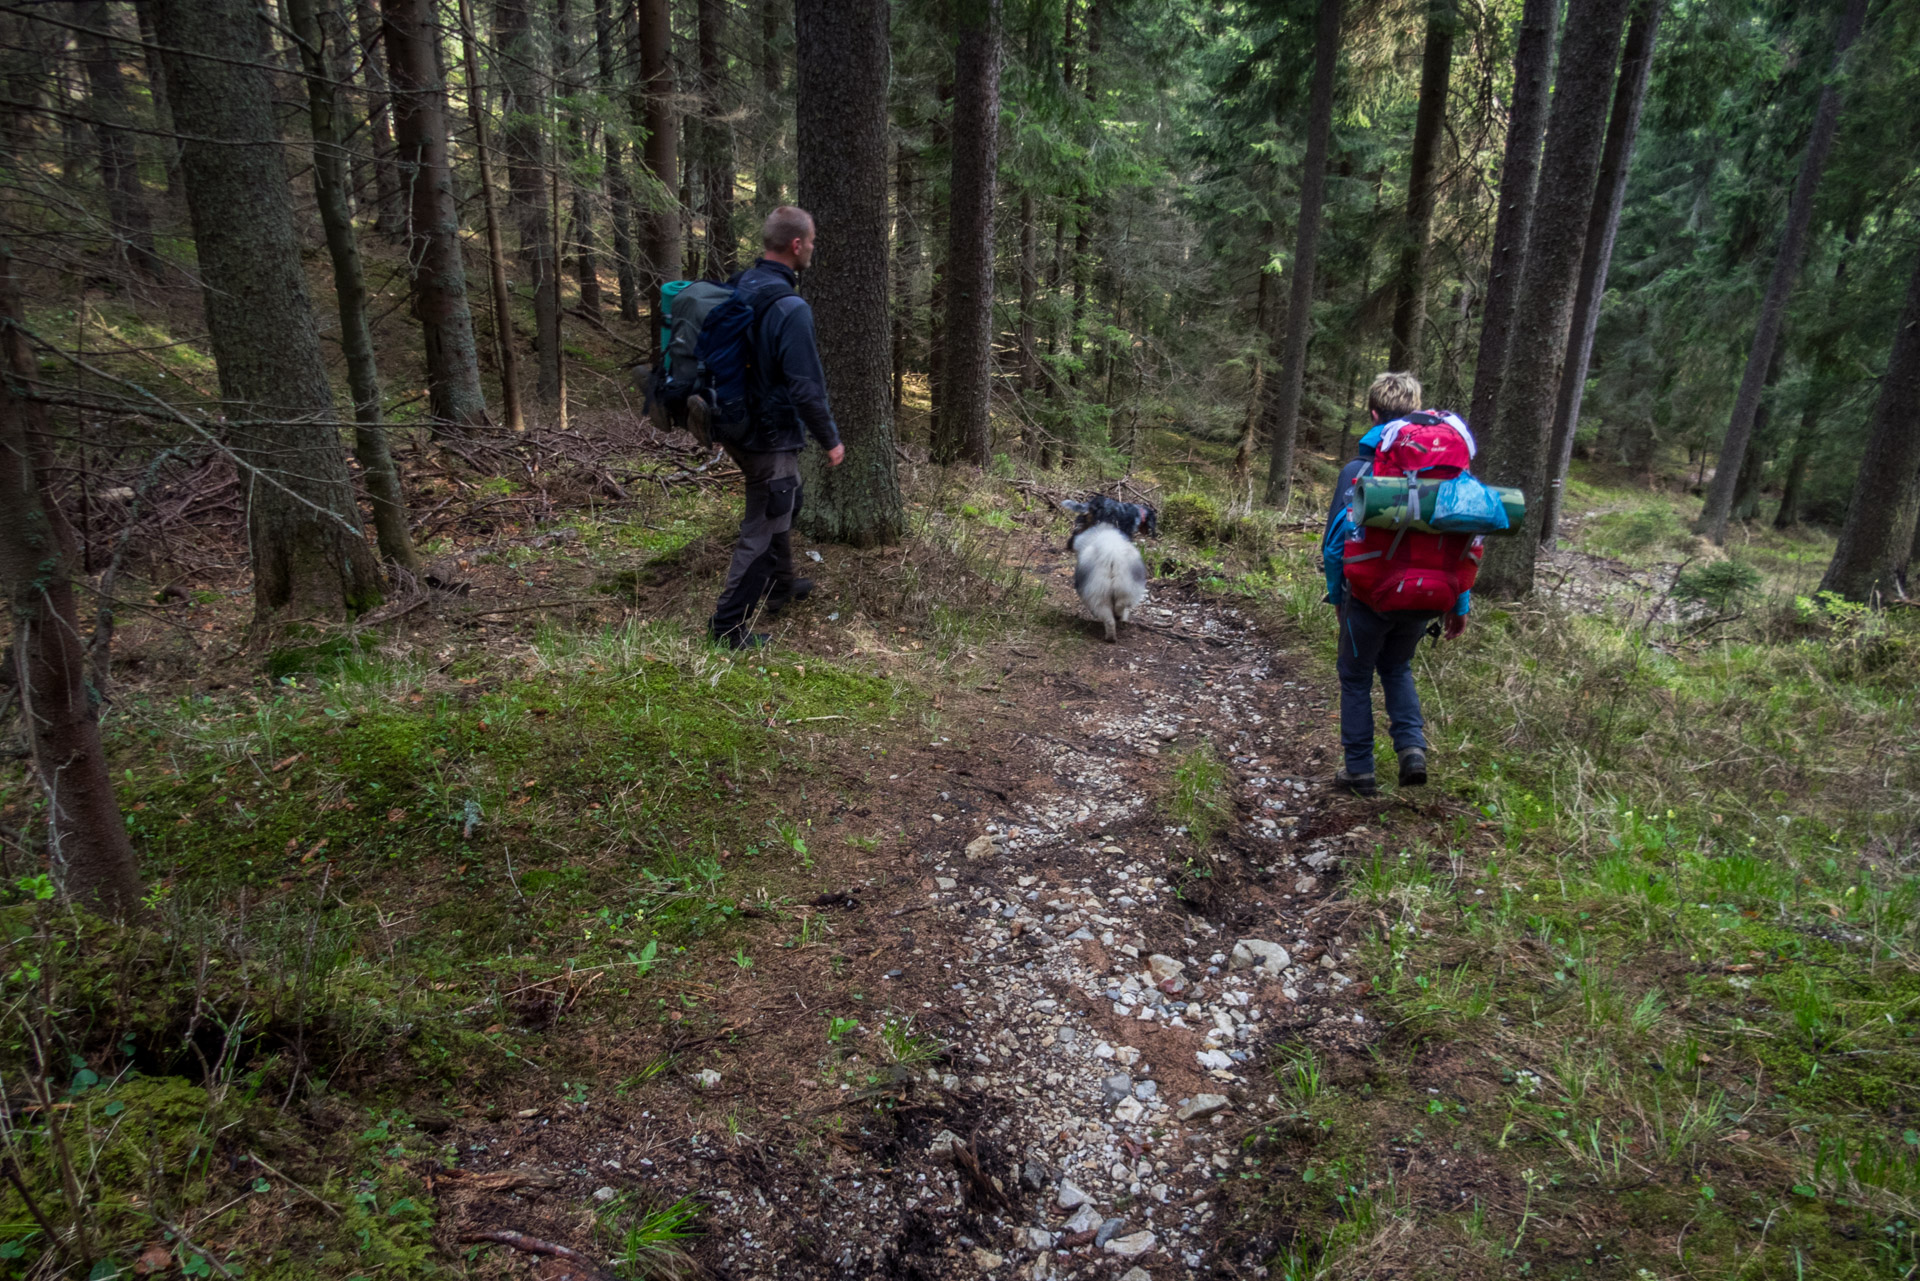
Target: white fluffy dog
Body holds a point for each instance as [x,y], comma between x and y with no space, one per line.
[1111,578]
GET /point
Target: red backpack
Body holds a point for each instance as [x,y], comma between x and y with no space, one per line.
[1409,570]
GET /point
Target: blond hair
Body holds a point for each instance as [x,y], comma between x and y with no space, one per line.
[1394,394]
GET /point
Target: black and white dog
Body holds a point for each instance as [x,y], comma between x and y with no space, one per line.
[1110,576]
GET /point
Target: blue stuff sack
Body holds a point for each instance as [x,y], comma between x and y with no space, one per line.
[1464,505]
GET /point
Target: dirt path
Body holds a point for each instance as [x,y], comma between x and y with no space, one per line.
[1109,995]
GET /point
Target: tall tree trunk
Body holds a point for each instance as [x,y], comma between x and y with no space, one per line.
[1516,452]
[841,76]
[906,255]
[162,112]
[438,277]
[93,861]
[619,194]
[127,214]
[1616,156]
[504,350]
[937,241]
[716,152]
[330,178]
[1029,288]
[653,98]
[1746,495]
[1786,270]
[578,154]
[1788,514]
[1526,126]
[1879,538]
[771,179]
[1410,300]
[966,426]
[1306,246]
[523,137]
[390,202]
[303,526]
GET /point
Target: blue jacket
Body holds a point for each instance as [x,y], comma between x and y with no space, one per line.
[787,386]
[1333,541]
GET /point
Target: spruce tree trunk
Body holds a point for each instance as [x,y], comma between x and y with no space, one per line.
[841,76]
[579,148]
[1746,495]
[1410,291]
[504,350]
[1616,157]
[619,195]
[523,138]
[653,98]
[1526,126]
[1786,270]
[966,426]
[1878,541]
[1306,246]
[906,255]
[162,111]
[716,155]
[93,861]
[330,178]
[390,202]
[438,277]
[1029,288]
[1788,514]
[303,526]
[1515,453]
[127,214]
[771,182]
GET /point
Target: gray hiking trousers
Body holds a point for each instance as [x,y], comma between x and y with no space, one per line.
[762,565]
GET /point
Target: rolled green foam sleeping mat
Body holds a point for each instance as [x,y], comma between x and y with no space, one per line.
[1385,499]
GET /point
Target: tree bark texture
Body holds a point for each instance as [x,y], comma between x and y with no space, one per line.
[1029,290]
[1516,454]
[966,424]
[619,194]
[716,152]
[1616,157]
[162,110]
[127,213]
[1526,126]
[841,77]
[92,860]
[390,202]
[1786,271]
[523,138]
[579,150]
[1306,246]
[1430,121]
[504,349]
[906,256]
[659,205]
[770,181]
[303,526]
[330,191]
[1877,542]
[437,276]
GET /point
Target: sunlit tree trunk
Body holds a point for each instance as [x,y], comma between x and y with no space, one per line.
[653,95]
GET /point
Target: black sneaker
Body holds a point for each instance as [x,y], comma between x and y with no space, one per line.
[1358,784]
[1413,768]
[799,591]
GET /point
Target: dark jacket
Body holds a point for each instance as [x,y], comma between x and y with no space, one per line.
[786,386]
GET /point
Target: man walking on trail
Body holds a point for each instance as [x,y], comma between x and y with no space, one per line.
[1372,642]
[787,396]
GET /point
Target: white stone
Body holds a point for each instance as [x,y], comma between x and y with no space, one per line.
[1261,955]
[1164,967]
[706,1078]
[981,847]
[945,882]
[1127,1111]
[986,1260]
[1215,1060]
[1069,1196]
[603,1194]
[1131,1246]
[1203,1105]
[1136,1274]
[943,1144]
[1085,1219]
[1126,1055]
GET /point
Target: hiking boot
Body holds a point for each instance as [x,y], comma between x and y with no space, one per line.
[1413,768]
[743,640]
[1358,784]
[799,591]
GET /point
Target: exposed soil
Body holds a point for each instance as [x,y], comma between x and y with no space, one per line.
[1032,907]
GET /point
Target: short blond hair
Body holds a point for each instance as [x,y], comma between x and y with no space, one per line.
[1394,394]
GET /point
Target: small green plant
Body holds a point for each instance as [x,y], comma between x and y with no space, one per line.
[1199,798]
[1721,586]
[905,1046]
[647,1244]
[576,1091]
[838,1028]
[741,959]
[789,834]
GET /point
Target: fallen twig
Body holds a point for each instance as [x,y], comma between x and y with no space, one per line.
[534,1245]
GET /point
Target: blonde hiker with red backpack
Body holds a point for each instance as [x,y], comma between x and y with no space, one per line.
[1403,543]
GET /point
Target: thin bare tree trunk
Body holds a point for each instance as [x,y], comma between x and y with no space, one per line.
[906,254]
[653,95]
[1623,125]
[439,278]
[390,202]
[1786,271]
[1436,71]
[119,167]
[1306,246]
[619,194]
[330,178]
[505,352]
[966,428]
[523,138]
[1029,288]
[1526,126]
[93,861]
[1516,452]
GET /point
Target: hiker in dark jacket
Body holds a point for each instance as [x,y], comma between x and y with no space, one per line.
[787,393]
[1373,643]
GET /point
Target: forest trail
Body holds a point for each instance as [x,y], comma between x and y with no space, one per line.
[1077,958]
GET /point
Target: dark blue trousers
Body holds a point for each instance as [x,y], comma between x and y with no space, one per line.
[1378,643]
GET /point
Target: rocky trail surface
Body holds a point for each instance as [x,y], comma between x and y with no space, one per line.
[1108,993]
